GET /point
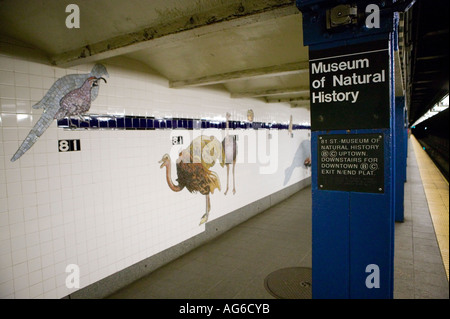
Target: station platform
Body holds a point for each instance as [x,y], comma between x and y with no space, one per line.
[237,264]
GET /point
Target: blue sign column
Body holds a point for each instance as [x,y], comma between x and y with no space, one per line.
[352,143]
[400,158]
[400,142]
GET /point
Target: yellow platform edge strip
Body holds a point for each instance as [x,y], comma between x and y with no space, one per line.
[436,191]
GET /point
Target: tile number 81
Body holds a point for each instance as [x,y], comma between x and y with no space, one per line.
[69,145]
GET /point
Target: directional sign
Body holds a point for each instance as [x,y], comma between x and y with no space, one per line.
[351,162]
[350,87]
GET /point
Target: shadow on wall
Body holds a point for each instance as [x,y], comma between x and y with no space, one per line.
[302,158]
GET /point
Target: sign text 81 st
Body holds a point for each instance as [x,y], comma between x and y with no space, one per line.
[69,145]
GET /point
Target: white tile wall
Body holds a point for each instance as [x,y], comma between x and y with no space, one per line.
[108,206]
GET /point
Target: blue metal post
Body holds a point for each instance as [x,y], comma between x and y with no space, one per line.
[398,132]
[353,217]
[400,158]
[405,145]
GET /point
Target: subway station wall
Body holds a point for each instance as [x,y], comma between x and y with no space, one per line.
[107,204]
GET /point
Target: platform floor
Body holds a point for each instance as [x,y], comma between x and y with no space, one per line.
[236,264]
[436,192]
[419,264]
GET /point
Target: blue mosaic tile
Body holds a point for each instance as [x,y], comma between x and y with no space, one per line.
[103,123]
[161,124]
[84,124]
[150,123]
[63,122]
[128,122]
[120,122]
[143,123]
[112,123]
[74,122]
[135,122]
[93,122]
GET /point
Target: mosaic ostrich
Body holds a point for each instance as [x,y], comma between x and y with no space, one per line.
[193,169]
[229,152]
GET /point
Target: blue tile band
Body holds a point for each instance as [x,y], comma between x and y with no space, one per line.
[129,122]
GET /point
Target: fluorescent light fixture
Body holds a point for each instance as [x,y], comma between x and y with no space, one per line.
[442,105]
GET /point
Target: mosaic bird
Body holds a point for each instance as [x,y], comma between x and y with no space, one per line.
[69,95]
[78,101]
[229,152]
[193,169]
[302,156]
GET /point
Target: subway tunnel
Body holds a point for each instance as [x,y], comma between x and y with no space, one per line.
[198,150]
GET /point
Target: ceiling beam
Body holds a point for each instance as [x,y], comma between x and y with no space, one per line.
[193,26]
[305,104]
[270,92]
[276,70]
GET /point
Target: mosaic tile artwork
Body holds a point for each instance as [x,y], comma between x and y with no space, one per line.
[229,153]
[130,122]
[90,190]
[69,95]
[194,169]
[302,158]
[194,163]
[250,115]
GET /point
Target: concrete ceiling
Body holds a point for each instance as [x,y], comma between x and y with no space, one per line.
[254,48]
[251,48]
[426,55]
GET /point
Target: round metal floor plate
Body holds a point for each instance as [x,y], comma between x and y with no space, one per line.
[290,283]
